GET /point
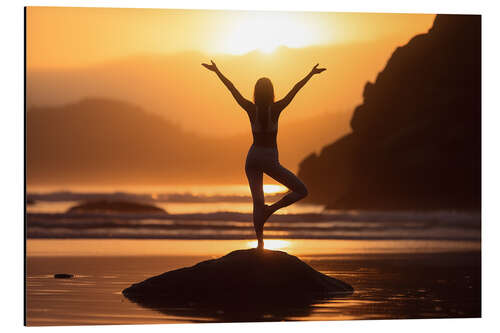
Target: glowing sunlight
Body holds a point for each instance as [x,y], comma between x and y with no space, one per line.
[271,244]
[272,189]
[265,31]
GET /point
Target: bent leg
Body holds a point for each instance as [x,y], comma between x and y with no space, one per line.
[287,178]
[255,181]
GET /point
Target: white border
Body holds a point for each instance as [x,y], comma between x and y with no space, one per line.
[11,130]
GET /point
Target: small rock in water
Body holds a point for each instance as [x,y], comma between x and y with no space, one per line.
[63,276]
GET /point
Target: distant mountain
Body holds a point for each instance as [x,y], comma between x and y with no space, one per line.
[99,141]
[416,139]
[105,141]
[177,87]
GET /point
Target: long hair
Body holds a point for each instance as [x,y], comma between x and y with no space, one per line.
[263,96]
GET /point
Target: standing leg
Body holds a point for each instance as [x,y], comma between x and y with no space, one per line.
[255,176]
[287,178]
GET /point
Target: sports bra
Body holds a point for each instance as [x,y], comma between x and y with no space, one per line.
[264,136]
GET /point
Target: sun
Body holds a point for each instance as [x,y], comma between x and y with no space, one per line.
[271,244]
[265,31]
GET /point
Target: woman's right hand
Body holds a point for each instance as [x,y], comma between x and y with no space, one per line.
[317,70]
[212,67]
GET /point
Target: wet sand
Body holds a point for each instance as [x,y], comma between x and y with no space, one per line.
[417,281]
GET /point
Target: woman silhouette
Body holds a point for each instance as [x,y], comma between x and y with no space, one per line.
[263,154]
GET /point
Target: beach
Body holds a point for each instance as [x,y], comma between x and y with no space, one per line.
[137,164]
[396,279]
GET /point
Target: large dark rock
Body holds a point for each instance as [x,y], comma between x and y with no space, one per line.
[242,285]
[114,206]
[416,139]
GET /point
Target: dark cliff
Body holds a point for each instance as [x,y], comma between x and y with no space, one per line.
[416,139]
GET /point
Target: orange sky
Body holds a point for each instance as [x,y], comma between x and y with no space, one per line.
[152,58]
[70,36]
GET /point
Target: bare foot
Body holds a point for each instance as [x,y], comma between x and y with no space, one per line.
[259,224]
[268,211]
[264,215]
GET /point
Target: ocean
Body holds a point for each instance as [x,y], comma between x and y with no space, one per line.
[225,212]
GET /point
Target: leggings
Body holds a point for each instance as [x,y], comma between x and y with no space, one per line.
[262,160]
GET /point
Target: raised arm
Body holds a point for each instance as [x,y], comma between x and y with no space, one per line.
[242,101]
[283,103]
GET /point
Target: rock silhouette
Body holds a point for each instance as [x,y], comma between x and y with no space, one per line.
[111,206]
[240,284]
[416,139]
[63,276]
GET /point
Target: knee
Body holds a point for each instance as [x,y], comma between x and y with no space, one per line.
[302,191]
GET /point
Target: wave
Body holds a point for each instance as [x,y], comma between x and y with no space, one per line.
[186,197]
[235,225]
[457,218]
